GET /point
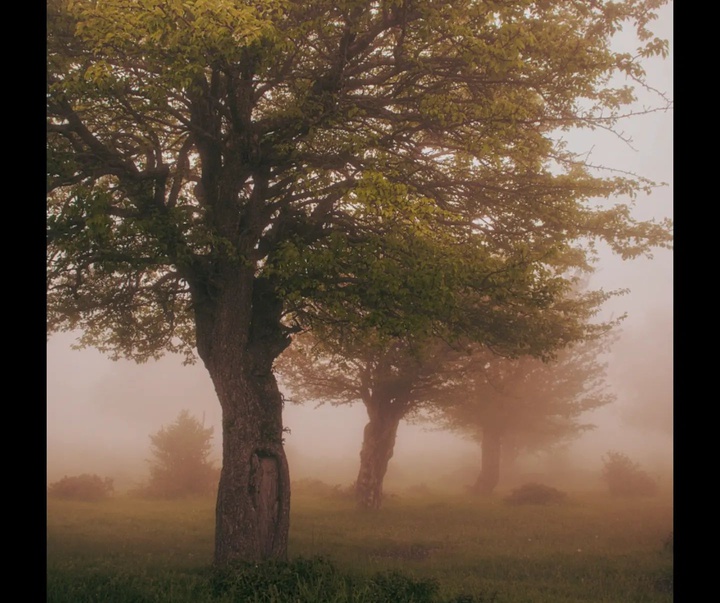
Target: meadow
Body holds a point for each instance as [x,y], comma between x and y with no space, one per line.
[422,547]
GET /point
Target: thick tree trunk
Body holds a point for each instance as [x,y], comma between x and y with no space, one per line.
[377,450]
[489,476]
[239,336]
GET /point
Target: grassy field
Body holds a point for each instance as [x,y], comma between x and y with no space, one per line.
[591,548]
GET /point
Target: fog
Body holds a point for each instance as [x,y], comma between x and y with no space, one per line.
[100,413]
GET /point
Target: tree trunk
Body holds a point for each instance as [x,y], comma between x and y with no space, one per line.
[489,476]
[377,450]
[239,336]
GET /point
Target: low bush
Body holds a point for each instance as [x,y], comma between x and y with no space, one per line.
[392,587]
[317,580]
[625,477]
[535,494]
[86,487]
[309,486]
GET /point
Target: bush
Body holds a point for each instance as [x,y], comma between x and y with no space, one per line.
[310,486]
[626,478]
[535,494]
[317,580]
[392,587]
[86,487]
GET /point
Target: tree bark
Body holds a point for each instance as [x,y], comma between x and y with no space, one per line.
[377,450]
[491,448]
[239,336]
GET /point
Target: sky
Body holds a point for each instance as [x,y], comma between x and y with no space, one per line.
[100,413]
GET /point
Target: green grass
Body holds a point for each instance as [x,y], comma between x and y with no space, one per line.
[592,548]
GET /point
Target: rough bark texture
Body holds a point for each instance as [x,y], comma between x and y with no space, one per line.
[489,476]
[377,450]
[239,336]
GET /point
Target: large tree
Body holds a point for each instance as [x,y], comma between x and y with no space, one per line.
[218,168]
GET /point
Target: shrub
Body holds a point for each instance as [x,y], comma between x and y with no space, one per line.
[392,586]
[626,478]
[86,487]
[314,487]
[535,494]
[317,580]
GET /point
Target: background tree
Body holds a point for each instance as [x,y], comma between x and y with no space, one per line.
[399,378]
[389,378]
[181,464]
[218,170]
[510,405]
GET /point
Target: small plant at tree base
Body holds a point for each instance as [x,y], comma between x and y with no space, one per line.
[625,477]
[535,494]
[87,487]
[317,580]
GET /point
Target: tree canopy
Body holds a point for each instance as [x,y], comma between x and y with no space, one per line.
[337,128]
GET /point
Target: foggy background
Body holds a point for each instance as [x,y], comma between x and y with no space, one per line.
[100,413]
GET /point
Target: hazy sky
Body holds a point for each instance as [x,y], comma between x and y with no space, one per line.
[99,410]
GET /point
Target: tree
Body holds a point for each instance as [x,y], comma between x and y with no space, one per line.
[221,172]
[181,465]
[514,404]
[390,378]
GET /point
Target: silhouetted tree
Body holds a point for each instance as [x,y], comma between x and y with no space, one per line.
[181,465]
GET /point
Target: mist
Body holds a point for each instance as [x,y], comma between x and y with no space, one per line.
[100,412]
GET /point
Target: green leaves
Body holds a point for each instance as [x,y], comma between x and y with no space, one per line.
[390,166]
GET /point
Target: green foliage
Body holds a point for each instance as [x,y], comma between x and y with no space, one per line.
[185,138]
[392,586]
[625,477]
[86,487]
[180,465]
[535,494]
[318,580]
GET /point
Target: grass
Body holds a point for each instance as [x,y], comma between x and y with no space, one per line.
[591,548]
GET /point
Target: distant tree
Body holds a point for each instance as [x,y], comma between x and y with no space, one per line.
[514,404]
[180,465]
[398,378]
[389,378]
